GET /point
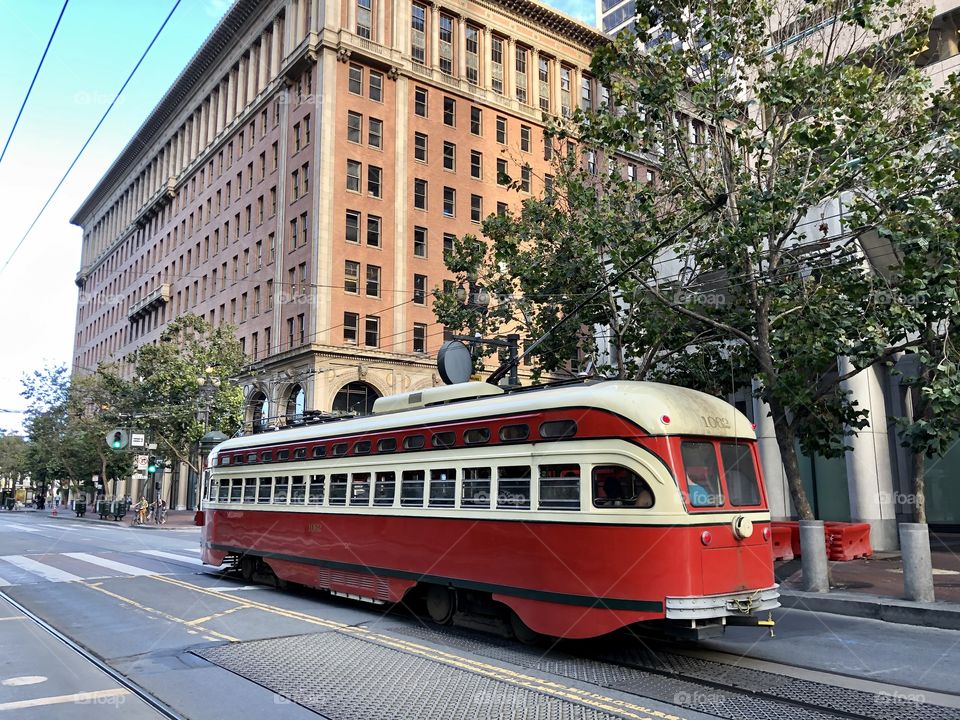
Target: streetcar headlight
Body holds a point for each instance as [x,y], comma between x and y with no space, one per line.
[742,527]
[706,538]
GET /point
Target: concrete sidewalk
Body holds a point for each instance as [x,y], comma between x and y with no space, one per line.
[873,588]
[176,519]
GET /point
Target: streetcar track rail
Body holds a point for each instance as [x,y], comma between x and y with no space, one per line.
[152,701]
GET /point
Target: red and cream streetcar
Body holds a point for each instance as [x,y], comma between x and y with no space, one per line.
[582,508]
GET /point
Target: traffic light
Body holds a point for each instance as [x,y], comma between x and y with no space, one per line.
[152,465]
[117,441]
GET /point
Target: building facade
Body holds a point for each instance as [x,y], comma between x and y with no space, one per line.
[302,176]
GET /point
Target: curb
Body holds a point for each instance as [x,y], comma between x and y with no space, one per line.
[118,523]
[945,616]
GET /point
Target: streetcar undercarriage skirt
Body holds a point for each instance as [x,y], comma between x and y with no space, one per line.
[704,607]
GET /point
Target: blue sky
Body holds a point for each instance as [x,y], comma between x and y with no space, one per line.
[97,44]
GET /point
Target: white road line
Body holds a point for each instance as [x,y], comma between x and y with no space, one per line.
[109,564]
[171,556]
[4,583]
[83,697]
[242,588]
[47,572]
[23,528]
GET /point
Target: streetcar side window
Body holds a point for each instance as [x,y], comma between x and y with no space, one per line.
[386,445]
[385,488]
[703,474]
[443,487]
[238,459]
[555,429]
[263,489]
[250,490]
[413,442]
[251,458]
[411,487]
[315,495]
[514,433]
[443,439]
[338,489]
[298,490]
[319,451]
[224,459]
[281,490]
[266,456]
[617,486]
[339,449]
[236,490]
[360,489]
[300,453]
[283,455]
[361,447]
[224,494]
[740,474]
[476,436]
[476,488]
[560,487]
[513,487]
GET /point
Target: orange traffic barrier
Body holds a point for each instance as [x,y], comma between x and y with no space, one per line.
[782,545]
[847,541]
[792,527]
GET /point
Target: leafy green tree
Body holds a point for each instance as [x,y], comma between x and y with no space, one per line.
[782,109]
[13,460]
[165,395]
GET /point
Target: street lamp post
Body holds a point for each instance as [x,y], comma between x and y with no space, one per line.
[476,296]
[209,385]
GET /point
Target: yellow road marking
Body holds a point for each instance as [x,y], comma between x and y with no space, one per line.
[154,611]
[584,697]
[60,699]
[216,615]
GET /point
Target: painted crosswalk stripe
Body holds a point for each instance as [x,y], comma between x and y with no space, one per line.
[109,564]
[47,572]
[4,583]
[172,556]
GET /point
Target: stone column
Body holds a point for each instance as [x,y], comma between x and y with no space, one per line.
[533,78]
[263,63]
[774,476]
[300,30]
[460,47]
[231,96]
[276,48]
[869,473]
[221,107]
[486,63]
[242,69]
[252,72]
[434,48]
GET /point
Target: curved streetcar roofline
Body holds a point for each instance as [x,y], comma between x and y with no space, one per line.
[657,408]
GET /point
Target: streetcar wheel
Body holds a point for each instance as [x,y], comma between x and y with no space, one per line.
[248,566]
[441,604]
[523,633]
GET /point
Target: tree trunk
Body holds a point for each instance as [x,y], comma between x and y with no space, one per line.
[919,499]
[786,441]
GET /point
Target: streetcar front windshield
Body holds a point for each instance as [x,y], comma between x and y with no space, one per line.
[739,472]
[720,478]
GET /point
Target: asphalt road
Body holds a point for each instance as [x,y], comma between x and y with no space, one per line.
[141,601]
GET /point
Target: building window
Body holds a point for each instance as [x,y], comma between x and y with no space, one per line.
[420,289]
[525,138]
[501,130]
[547,147]
[351,322]
[355,80]
[473,54]
[418,34]
[586,93]
[449,156]
[374,176]
[446,44]
[353,227]
[373,231]
[364,18]
[296,137]
[353,176]
[375,133]
[449,202]
[373,281]
[420,101]
[521,74]
[476,120]
[525,178]
[503,177]
[449,112]
[420,194]
[351,277]
[354,126]
[476,164]
[476,208]
[420,147]
[565,89]
[544,77]
[376,86]
[371,335]
[419,338]
[496,64]
[420,242]
[548,188]
[448,241]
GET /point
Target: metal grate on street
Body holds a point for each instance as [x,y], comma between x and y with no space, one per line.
[342,676]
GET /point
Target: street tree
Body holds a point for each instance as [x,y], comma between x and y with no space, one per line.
[774,113]
[165,394]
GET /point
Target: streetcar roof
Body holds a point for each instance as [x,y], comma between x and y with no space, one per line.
[658,408]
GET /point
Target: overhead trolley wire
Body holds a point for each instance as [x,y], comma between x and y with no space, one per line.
[95,129]
[33,81]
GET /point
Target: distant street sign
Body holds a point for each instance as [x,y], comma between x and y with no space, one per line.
[138,439]
[139,476]
[142,462]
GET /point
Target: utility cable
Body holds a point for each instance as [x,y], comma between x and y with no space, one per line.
[34,80]
[95,129]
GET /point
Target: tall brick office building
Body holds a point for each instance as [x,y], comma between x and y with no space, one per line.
[301,176]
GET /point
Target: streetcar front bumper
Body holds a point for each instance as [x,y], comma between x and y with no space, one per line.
[707,607]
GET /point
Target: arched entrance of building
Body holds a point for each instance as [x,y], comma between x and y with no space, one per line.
[258,410]
[357,397]
[296,401]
